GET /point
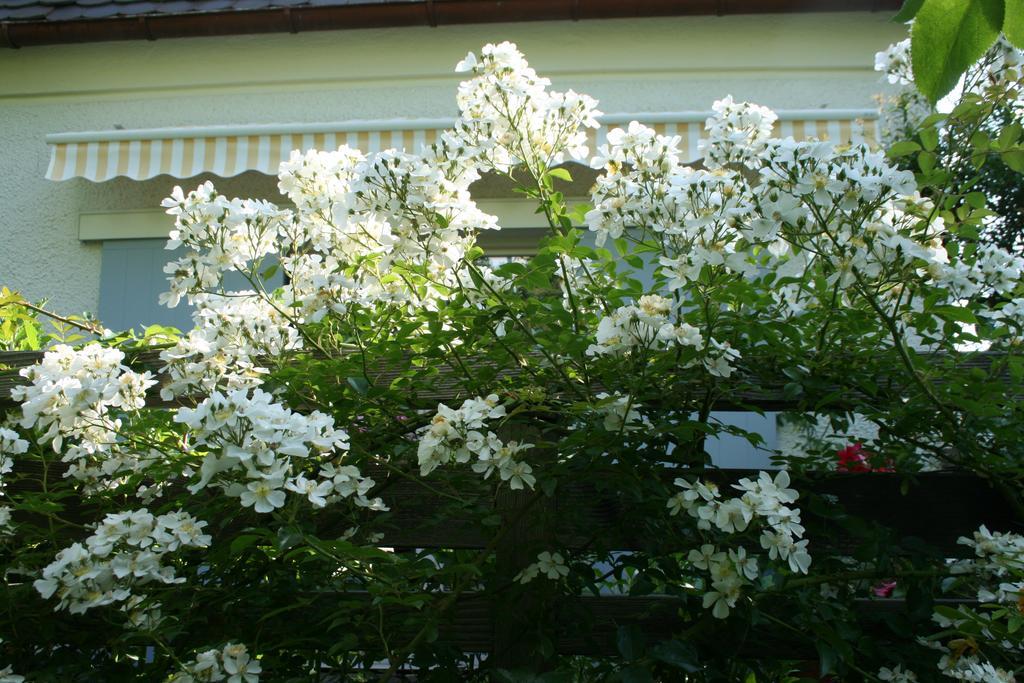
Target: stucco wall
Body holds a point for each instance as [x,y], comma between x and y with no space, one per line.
[784,61]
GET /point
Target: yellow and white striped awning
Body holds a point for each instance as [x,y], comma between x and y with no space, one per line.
[229,150]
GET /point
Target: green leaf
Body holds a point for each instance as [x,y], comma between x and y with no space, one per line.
[269,271]
[907,12]
[826,658]
[976,200]
[678,654]
[630,640]
[947,37]
[1013,23]
[902,149]
[288,537]
[561,174]
[926,161]
[963,315]
[242,542]
[948,612]
[1009,135]
[359,384]
[31,337]
[1014,158]
[579,213]
[929,138]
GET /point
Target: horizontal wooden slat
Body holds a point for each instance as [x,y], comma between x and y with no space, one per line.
[588,625]
[580,625]
[937,508]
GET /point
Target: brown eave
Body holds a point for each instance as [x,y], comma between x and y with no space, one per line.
[375,15]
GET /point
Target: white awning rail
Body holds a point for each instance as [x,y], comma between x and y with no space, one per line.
[229,150]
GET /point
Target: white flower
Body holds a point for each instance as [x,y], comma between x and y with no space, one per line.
[315,491]
[722,598]
[239,666]
[552,565]
[263,495]
[518,475]
[704,557]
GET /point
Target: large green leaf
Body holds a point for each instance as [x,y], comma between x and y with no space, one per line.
[1013,22]
[948,36]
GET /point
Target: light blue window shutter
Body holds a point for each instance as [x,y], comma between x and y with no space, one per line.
[132,279]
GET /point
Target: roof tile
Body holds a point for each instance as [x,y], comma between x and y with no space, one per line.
[29,12]
[64,13]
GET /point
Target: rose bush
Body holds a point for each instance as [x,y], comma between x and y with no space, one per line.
[232,529]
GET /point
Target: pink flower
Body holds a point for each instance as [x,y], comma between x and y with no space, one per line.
[884,589]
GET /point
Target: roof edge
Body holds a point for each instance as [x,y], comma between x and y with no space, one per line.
[16,34]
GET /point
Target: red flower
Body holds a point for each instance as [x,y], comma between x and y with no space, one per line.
[853,459]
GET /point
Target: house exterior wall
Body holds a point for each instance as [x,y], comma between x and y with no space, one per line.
[797,61]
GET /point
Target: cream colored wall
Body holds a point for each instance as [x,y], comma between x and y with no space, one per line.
[665,64]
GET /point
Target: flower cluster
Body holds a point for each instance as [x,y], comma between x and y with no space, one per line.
[973,669]
[999,557]
[904,108]
[894,63]
[763,505]
[814,205]
[508,117]
[232,664]
[224,349]
[220,235]
[737,133]
[456,435]
[971,635]
[81,396]
[256,449]
[392,212]
[897,675]
[127,550]
[646,326]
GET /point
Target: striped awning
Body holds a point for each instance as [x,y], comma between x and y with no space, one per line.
[229,150]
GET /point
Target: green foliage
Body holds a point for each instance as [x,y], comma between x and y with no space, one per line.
[20,327]
[948,36]
[1013,22]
